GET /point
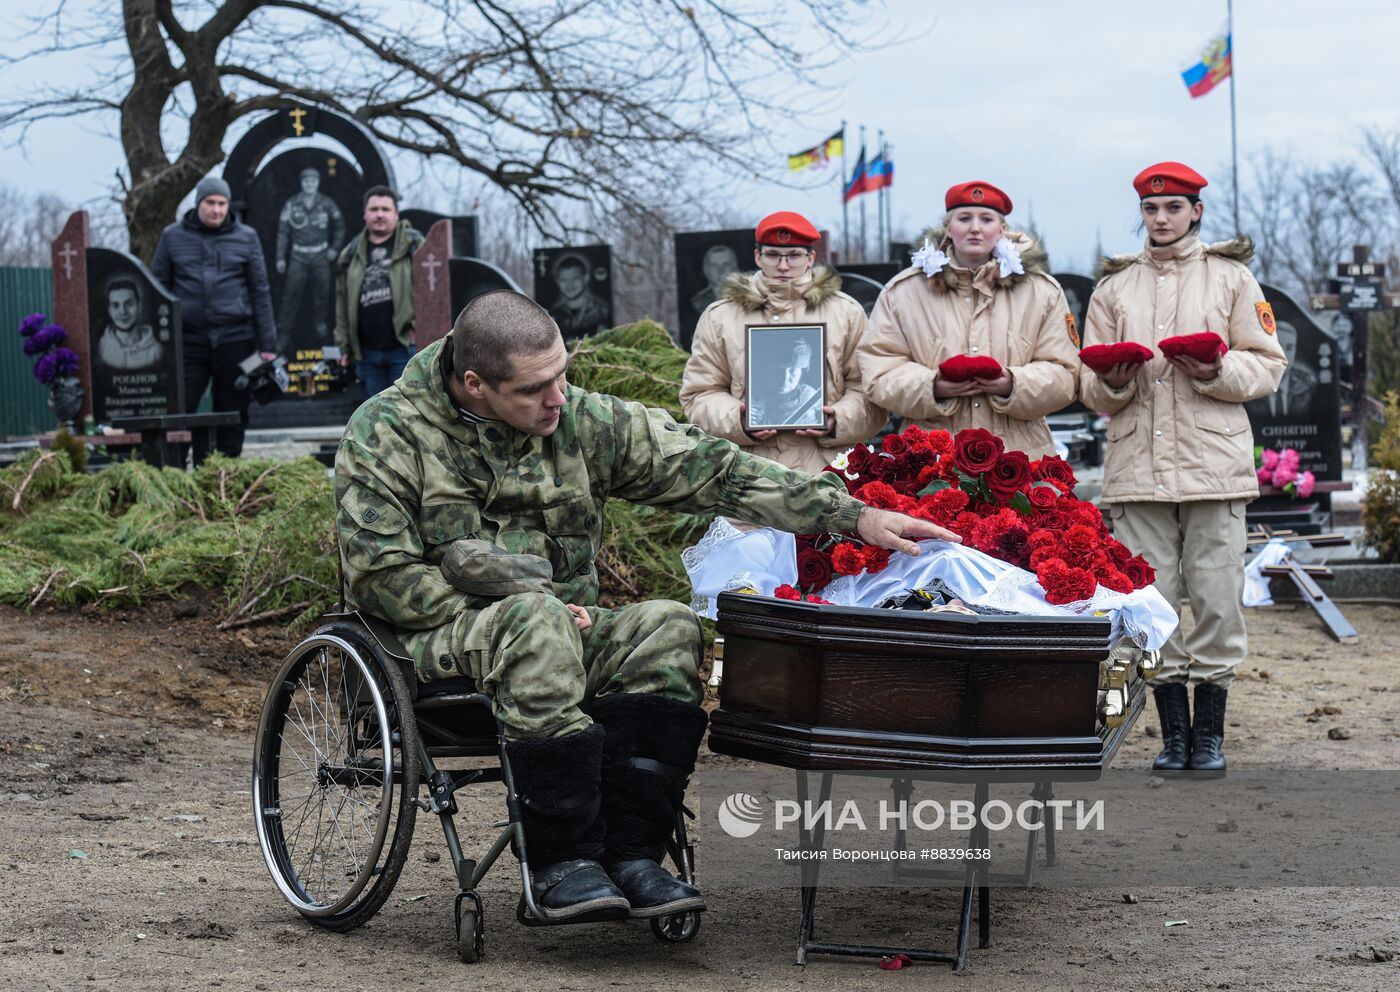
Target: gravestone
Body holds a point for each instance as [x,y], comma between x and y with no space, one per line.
[1077,291]
[306,201]
[704,260]
[473,276]
[464,229]
[864,289]
[432,287]
[575,285]
[1303,414]
[137,364]
[68,252]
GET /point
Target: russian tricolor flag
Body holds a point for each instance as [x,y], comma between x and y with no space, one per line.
[1212,66]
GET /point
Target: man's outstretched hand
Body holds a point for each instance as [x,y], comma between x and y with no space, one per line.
[899,531]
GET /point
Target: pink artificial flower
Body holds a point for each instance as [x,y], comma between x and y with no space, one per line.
[1306,482]
[1289,457]
[1265,475]
[1270,458]
[1284,474]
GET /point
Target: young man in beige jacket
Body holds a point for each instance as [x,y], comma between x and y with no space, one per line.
[786,289]
[1180,462]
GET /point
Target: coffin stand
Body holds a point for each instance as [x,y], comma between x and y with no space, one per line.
[944,697]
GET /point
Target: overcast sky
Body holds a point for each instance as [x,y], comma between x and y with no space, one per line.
[1059,102]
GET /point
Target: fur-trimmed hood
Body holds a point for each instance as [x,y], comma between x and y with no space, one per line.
[1033,259]
[1239,249]
[747,290]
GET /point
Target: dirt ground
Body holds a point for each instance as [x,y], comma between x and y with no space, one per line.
[128,856]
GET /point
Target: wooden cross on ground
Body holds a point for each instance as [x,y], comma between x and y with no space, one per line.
[1360,292]
[1306,577]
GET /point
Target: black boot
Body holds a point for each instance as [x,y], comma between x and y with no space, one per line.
[647,761]
[556,782]
[1208,731]
[1175,717]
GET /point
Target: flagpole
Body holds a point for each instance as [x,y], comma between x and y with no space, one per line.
[1234,142]
[880,203]
[862,202]
[841,192]
[889,208]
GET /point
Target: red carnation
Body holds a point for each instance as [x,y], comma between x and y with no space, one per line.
[1081,538]
[1041,538]
[927,474]
[939,443]
[1042,497]
[1043,553]
[1053,468]
[1116,580]
[1139,572]
[976,450]
[965,522]
[846,559]
[813,568]
[818,600]
[1013,545]
[914,435]
[894,444]
[786,591]
[1064,584]
[1010,474]
[880,495]
[875,558]
[948,503]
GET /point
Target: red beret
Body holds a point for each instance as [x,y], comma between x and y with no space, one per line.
[1169,179]
[786,228]
[977,194]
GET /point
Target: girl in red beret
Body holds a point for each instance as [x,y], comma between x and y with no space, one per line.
[976,333]
[1180,462]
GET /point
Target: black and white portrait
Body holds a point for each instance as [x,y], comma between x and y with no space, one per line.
[128,341]
[704,261]
[310,233]
[575,286]
[786,376]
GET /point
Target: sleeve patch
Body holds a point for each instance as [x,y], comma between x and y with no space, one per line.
[1265,312]
[1073,329]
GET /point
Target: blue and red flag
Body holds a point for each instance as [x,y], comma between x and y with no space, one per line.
[867,177]
[856,185]
[1212,66]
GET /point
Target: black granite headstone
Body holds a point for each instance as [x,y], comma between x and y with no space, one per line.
[1077,290]
[862,288]
[575,285]
[464,228]
[704,259]
[1305,412]
[137,350]
[473,276]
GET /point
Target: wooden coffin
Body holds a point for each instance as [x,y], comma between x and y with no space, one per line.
[829,687]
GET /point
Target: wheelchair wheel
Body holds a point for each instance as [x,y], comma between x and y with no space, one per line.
[335,776]
[678,929]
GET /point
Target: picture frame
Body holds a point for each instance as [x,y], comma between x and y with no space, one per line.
[785,376]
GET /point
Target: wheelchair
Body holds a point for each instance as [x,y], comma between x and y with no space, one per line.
[349,749]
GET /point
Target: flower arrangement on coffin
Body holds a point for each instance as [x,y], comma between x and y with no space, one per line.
[1280,469]
[56,365]
[1000,502]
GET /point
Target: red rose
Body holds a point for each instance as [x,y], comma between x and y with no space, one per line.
[880,495]
[1116,550]
[1139,572]
[1010,474]
[813,569]
[1053,468]
[894,444]
[786,591]
[858,461]
[976,450]
[1116,580]
[846,559]
[875,558]
[1054,520]
[1042,497]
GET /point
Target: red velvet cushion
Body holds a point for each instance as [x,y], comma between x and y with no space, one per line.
[1102,357]
[1204,347]
[961,368]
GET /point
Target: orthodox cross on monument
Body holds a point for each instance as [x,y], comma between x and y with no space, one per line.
[67,253]
[432,264]
[1359,292]
[296,114]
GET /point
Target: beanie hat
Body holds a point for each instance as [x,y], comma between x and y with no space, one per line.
[211,186]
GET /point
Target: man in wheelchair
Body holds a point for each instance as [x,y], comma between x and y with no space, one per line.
[470,500]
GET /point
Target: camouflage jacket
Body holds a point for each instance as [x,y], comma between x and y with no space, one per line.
[411,477]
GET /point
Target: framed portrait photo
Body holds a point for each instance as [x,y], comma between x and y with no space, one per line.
[786,376]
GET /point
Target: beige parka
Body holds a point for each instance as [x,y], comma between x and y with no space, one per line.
[712,387]
[1174,438]
[1021,319]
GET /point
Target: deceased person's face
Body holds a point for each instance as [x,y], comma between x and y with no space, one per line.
[797,366]
[121,308]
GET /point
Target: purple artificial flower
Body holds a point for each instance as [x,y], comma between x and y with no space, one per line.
[49,336]
[66,361]
[46,368]
[30,324]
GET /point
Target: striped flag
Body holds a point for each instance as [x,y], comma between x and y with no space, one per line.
[1212,66]
[818,155]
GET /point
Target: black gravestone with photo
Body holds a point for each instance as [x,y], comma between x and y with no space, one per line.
[137,351]
[473,276]
[704,260]
[464,230]
[1303,414]
[305,204]
[575,285]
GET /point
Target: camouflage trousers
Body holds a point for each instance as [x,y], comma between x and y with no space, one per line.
[543,672]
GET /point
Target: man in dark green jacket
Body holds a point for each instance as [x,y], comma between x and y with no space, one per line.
[374,293]
[470,498]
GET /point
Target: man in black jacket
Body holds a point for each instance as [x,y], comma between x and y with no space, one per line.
[215,266]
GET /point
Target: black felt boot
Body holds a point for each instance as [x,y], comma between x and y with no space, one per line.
[556,782]
[647,760]
[1208,731]
[1175,717]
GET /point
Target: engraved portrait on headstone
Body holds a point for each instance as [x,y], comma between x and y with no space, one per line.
[137,362]
[575,285]
[704,260]
[127,341]
[310,233]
